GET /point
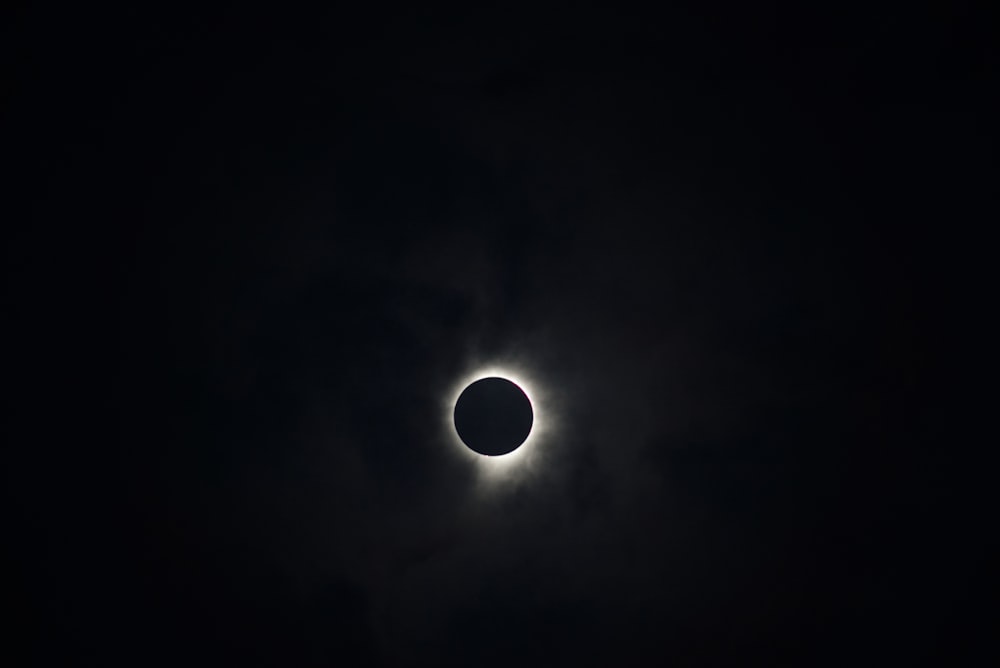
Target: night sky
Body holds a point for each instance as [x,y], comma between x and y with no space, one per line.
[259,254]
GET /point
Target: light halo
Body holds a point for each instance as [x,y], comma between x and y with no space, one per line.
[525,455]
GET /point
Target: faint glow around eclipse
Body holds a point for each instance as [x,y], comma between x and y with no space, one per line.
[527,454]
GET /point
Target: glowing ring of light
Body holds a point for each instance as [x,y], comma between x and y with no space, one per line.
[530,451]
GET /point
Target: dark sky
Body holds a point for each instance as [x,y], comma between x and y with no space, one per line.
[258,253]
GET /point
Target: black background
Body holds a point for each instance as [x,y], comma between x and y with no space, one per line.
[257,252]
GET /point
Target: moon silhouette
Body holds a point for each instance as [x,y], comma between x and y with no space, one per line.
[493,416]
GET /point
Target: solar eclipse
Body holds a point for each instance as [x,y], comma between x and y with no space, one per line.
[523,462]
[493,416]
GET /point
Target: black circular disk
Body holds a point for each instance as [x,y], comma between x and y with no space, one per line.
[493,416]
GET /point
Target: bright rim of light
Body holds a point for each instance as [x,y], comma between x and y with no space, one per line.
[528,453]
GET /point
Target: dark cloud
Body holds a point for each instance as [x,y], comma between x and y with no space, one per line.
[704,239]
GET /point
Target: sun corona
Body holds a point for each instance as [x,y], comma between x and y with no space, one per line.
[524,456]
